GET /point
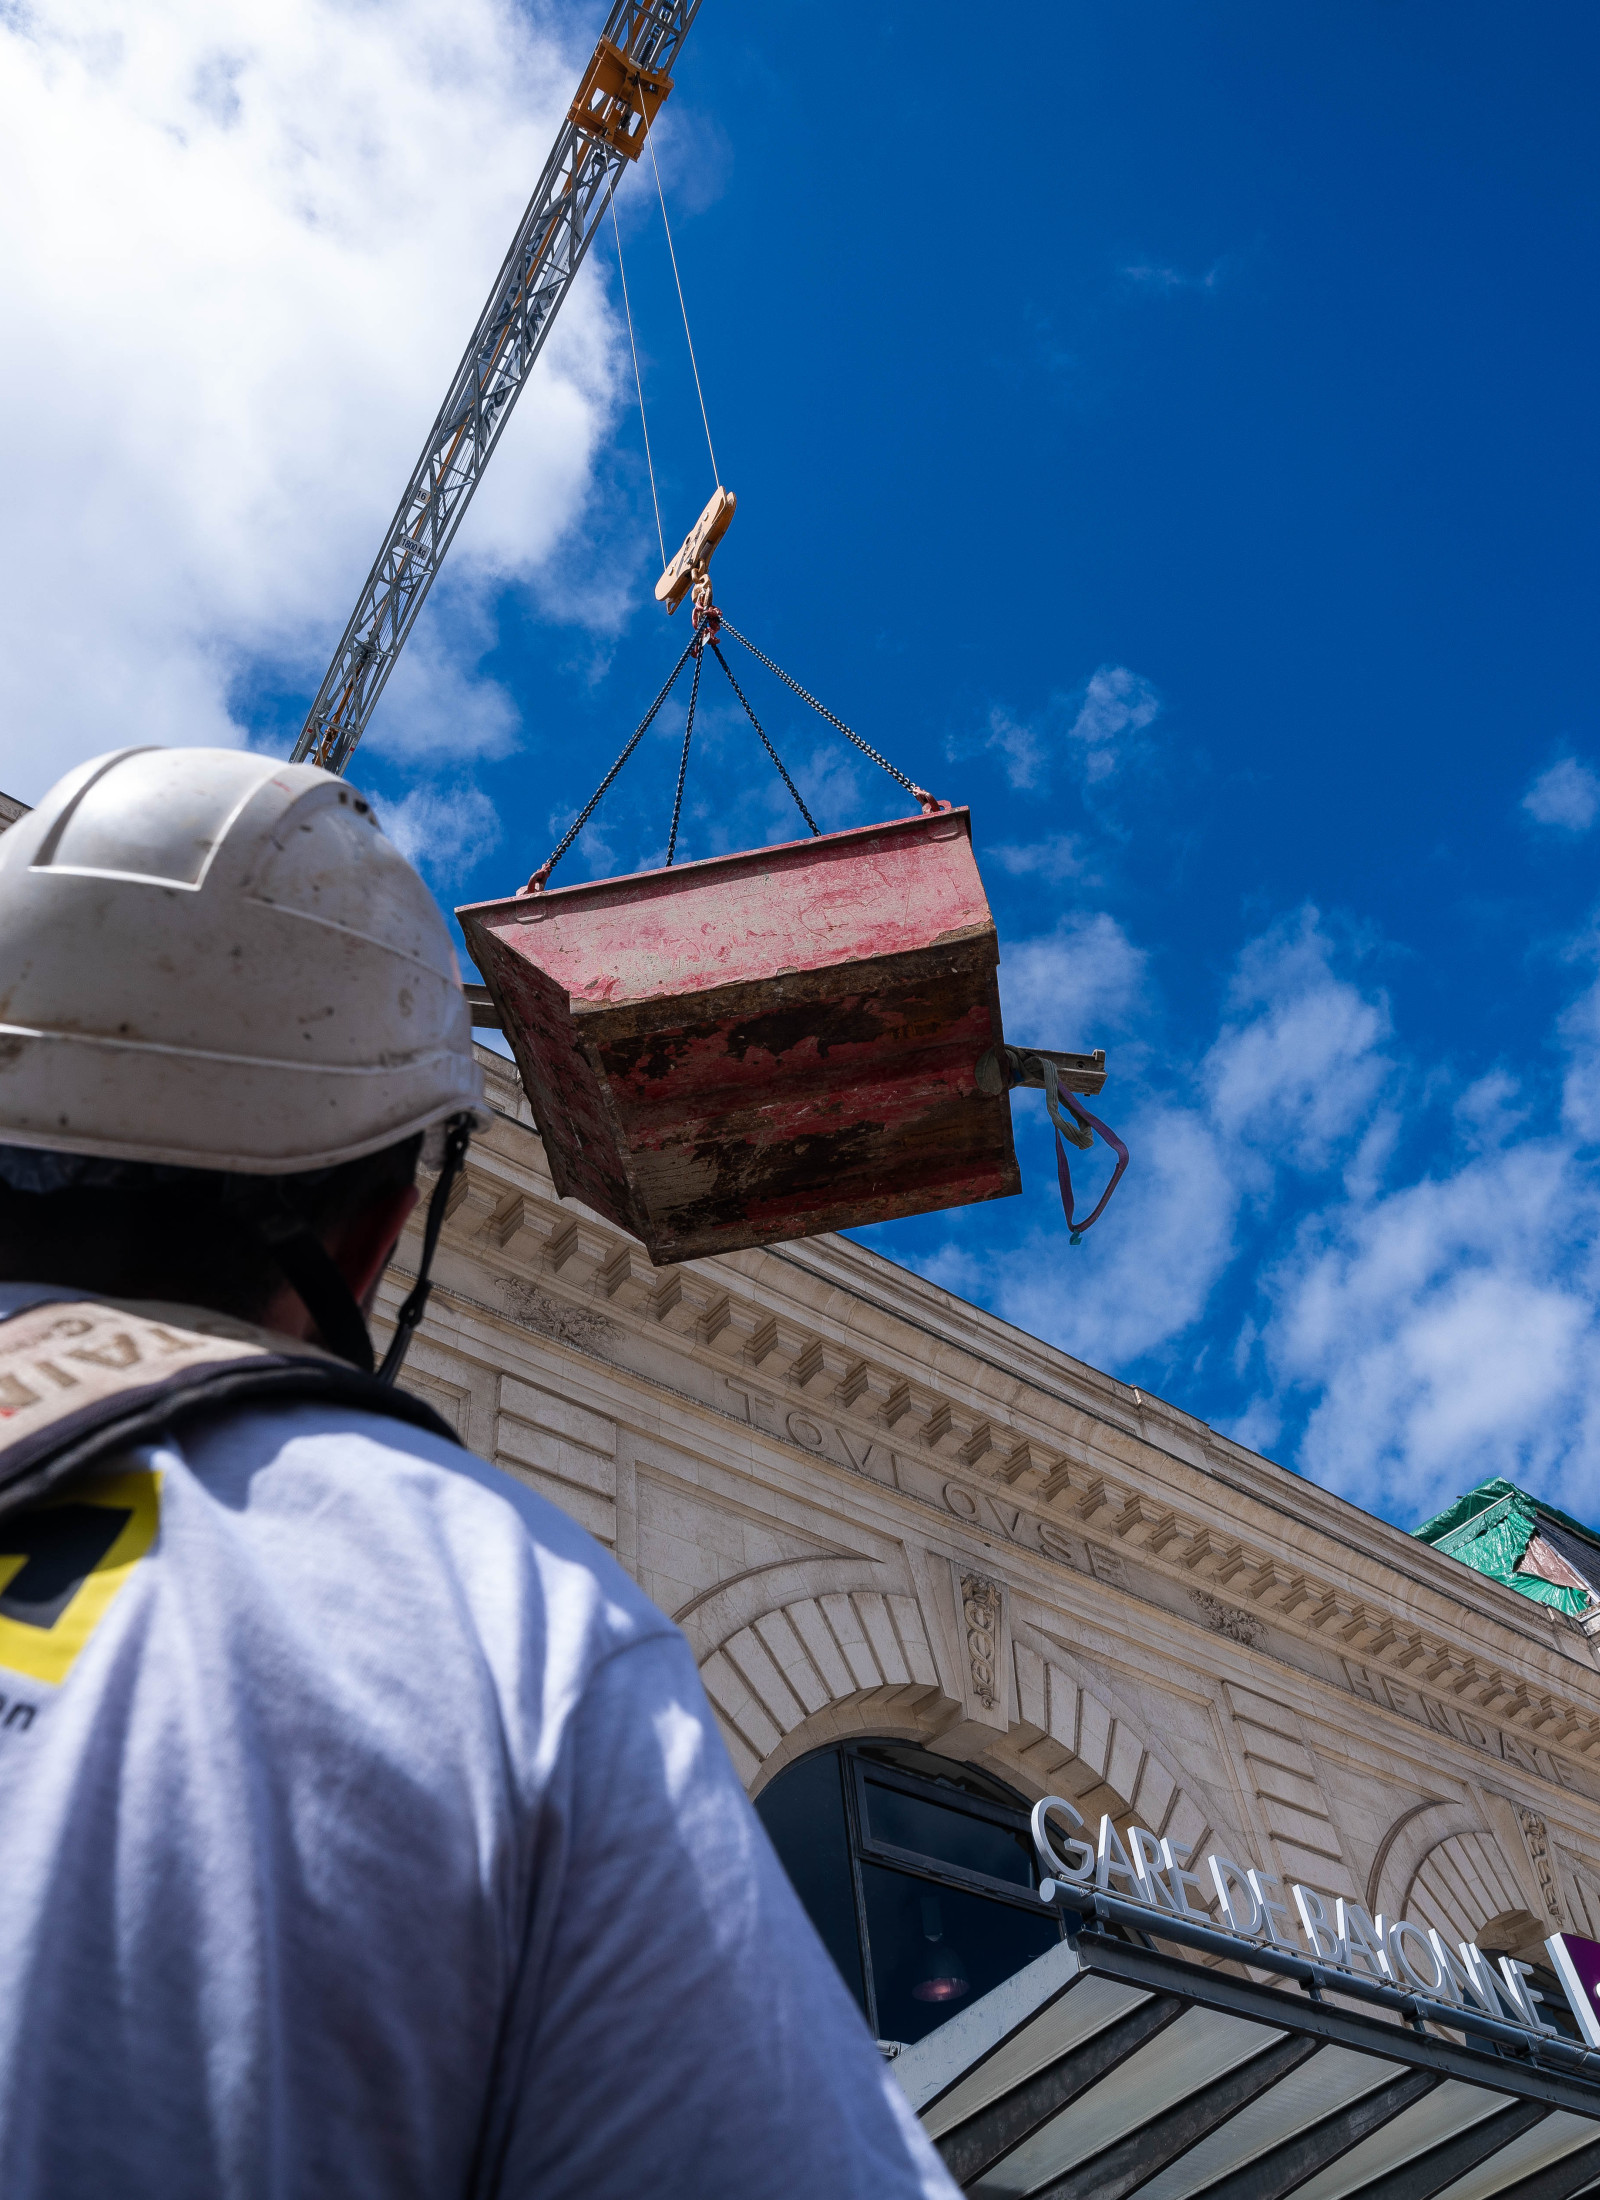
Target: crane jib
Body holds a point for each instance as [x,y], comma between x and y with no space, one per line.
[617,100]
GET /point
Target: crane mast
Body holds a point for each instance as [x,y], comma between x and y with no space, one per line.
[622,88]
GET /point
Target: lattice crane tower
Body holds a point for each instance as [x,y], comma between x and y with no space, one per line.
[622,88]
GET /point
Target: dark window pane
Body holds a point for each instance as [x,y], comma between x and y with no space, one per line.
[934,1951]
[803,1812]
[947,1832]
[942,1771]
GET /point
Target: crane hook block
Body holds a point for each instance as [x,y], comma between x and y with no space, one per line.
[698,544]
[617,100]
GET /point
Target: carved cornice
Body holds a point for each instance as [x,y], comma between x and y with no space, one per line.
[832,1325]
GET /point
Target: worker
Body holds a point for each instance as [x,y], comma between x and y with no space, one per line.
[363,1828]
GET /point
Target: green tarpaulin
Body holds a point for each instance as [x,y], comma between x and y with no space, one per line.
[1490,1528]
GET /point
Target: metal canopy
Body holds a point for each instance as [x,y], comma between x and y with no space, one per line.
[1106,2069]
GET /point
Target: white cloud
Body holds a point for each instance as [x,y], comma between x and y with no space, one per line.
[1580,1088]
[594,854]
[1445,1333]
[243,254]
[1061,989]
[437,702]
[696,157]
[1425,1334]
[1116,703]
[436,827]
[1164,281]
[1024,755]
[1100,721]
[835,788]
[1292,1077]
[1145,1272]
[1060,857]
[1020,747]
[1488,1113]
[1412,1330]
[1567,795]
[1295,1070]
[1442,1330]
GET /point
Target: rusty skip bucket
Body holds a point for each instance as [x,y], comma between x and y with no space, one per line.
[761,1046]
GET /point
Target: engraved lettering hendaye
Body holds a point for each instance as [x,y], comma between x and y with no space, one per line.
[1253,1905]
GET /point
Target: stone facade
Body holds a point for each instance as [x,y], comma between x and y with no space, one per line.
[876,1510]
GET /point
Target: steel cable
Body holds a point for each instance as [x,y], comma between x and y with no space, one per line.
[716,478]
[637,382]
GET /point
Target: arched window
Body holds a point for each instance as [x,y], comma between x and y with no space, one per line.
[918,1873]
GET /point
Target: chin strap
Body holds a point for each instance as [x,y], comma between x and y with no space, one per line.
[457,1138]
[327,1298]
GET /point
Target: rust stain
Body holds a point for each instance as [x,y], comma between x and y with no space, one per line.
[761,1046]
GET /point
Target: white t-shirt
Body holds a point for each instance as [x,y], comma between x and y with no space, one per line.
[365,1831]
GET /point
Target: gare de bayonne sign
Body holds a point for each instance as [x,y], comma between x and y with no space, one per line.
[1251,1909]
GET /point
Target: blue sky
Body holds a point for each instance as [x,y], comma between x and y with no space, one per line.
[1173,435]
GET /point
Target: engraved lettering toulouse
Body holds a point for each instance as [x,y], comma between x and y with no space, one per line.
[865,1455]
[993,1515]
[773,1418]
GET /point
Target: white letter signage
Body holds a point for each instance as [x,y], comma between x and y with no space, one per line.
[1390,1951]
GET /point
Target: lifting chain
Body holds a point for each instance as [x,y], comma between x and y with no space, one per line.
[541,877]
[709,624]
[930,803]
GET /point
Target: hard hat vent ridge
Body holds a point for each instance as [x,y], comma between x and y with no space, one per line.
[146,814]
[222,963]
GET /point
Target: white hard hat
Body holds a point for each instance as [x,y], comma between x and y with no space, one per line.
[215,961]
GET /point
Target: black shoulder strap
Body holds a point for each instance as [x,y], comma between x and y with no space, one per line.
[40,1465]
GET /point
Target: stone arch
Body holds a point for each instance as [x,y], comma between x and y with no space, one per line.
[798,1653]
[807,1651]
[1464,1885]
[1418,1829]
[1582,1890]
[1071,1738]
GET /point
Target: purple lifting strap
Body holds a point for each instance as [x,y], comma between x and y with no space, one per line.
[1054,1094]
[1064,1173]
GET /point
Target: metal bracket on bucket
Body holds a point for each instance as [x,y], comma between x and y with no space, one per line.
[1002,1069]
[485,1016]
